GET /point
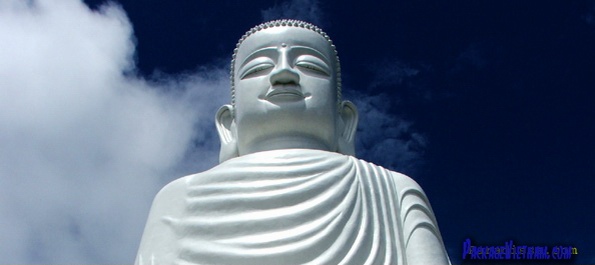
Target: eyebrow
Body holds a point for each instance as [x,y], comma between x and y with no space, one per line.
[255,53]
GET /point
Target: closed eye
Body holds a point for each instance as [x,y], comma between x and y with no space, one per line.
[256,69]
[313,65]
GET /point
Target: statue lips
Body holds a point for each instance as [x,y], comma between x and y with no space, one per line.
[285,93]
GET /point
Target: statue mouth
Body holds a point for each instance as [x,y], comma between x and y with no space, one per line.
[285,93]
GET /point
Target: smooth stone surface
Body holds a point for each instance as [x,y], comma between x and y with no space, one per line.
[292,206]
[288,189]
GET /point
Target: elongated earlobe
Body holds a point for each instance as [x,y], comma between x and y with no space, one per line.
[349,117]
[227,134]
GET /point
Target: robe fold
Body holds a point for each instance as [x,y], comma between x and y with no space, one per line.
[292,206]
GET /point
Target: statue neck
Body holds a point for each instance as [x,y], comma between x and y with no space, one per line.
[285,142]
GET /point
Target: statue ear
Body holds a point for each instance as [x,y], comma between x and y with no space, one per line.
[227,133]
[349,116]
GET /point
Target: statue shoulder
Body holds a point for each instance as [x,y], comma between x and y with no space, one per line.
[158,242]
[181,184]
[406,184]
[403,184]
[172,188]
[171,198]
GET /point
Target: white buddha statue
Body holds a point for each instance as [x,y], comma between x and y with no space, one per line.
[288,189]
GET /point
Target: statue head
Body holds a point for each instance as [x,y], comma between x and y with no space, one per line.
[286,93]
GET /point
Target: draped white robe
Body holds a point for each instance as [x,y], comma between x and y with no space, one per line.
[292,206]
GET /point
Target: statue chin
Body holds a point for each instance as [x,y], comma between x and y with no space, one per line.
[342,140]
[232,149]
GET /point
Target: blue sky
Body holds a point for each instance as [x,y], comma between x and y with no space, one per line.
[488,105]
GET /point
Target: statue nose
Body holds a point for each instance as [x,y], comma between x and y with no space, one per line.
[284,74]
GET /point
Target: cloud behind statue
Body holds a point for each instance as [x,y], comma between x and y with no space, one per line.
[85,141]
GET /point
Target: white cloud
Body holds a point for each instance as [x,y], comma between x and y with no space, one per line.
[306,10]
[84,147]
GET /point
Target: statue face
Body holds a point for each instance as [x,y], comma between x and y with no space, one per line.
[286,91]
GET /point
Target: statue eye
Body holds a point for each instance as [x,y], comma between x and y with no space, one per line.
[313,65]
[254,70]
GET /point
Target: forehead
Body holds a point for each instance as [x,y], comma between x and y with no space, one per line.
[273,37]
